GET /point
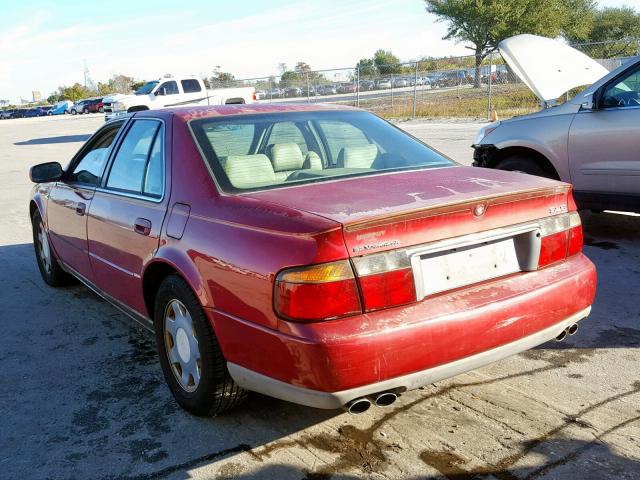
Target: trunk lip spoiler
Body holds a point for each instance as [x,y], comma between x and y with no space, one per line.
[458,206]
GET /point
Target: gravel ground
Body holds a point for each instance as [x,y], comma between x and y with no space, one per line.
[82,396]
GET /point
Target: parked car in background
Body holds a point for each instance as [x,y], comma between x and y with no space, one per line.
[35,112]
[346,87]
[169,91]
[275,93]
[310,91]
[46,109]
[261,94]
[81,106]
[19,113]
[61,108]
[323,256]
[6,114]
[366,85]
[383,83]
[399,82]
[592,141]
[327,90]
[94,105]
[292,92]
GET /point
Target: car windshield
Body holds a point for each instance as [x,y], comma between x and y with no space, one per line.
[264,151]
[147,87]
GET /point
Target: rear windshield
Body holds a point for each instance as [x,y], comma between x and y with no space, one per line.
[263,151]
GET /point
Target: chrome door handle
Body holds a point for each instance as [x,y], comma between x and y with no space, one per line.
[142,226]
[81,208]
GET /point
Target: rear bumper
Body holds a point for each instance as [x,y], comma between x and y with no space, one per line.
[331,400]
[449,333]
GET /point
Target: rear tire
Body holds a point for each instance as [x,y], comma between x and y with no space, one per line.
[190,356]
[85,110]
[74,111]
[50,270]
[524,165]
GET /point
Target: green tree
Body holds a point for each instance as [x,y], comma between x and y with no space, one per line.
[289,78]
[53,98]
[221,79]
[367,67]
[74,93]
[485,23]
[386,62]
[614,32]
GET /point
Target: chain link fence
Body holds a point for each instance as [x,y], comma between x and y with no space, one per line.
[454,87]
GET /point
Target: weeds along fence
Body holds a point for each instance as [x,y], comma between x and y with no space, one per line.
[453,87]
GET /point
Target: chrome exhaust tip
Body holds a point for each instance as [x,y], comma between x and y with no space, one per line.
[572,329]
[358,406]
[385,399]
[561,336]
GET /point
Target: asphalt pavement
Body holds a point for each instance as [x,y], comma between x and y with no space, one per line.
[82,395]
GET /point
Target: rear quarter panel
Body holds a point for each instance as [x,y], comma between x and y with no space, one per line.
[233,246]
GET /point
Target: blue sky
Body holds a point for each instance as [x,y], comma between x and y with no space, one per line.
[44,44]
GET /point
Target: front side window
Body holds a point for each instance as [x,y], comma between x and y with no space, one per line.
[88,170]
[170,88]
[138,166]
[190,85]
[624,93]
[334,144]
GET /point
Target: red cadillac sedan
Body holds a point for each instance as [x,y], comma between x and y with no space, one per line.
[316,254]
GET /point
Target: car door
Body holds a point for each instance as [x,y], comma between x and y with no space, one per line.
[169,93]
[127,212]
[193,92]
[604,144]
[70,199]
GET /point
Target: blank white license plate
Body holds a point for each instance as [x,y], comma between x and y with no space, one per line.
[458,267]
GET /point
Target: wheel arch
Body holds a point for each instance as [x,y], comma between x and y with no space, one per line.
[162,267]
[525,152]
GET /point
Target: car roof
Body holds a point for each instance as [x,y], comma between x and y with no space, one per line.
[190,113]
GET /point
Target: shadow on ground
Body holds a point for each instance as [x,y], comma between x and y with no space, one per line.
[85,398]
[51,140]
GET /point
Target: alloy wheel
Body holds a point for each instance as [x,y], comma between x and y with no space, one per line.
[43,248]
[181,346]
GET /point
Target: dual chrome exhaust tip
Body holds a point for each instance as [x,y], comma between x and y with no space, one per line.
[570,330]
[362,404]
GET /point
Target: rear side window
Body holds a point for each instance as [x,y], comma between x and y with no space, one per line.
[90,167]
[231,139]
[190,86]
[339,134]
[138,166]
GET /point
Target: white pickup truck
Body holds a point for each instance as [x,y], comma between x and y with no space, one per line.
[173,92]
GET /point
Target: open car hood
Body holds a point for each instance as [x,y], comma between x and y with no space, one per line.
[549,67]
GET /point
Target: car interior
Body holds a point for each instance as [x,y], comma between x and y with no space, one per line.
[255,154]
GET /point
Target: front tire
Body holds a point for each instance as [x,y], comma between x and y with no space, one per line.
[74,111]
[523,165]
[50,270]
[190,356]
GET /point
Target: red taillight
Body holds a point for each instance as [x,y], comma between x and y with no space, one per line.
[388,289]
[386,280]
[318,292]
[255,96]
[561,238]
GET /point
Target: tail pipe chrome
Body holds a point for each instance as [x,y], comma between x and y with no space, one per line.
[358,405]
[384,399]
[570,330]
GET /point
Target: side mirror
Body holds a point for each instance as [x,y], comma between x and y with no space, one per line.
[161,92]
[46,172]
